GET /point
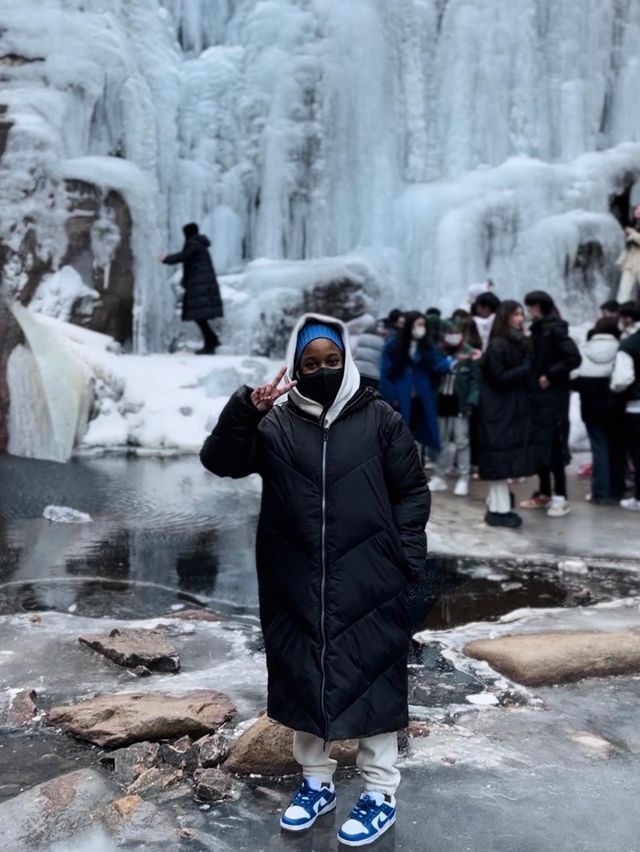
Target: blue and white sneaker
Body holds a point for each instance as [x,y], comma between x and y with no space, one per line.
[369,820]
[311,801]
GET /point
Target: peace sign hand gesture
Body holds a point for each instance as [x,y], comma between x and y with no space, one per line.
[264,397]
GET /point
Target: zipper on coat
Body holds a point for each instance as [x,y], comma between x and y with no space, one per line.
[325,439]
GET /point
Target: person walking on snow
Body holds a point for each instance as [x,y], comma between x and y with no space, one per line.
[202,300]
[504,418]
[341,534]
[625,380]
[555,356]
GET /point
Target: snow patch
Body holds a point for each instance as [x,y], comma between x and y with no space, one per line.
[66,515]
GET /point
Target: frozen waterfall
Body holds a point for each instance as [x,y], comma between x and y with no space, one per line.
[439,141]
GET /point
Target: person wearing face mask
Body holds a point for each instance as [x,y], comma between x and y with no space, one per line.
[457,398]
[505,441]
[409,373]
[341,534]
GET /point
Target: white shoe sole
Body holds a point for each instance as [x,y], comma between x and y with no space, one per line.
[559,514]
[326,810]
[369,840]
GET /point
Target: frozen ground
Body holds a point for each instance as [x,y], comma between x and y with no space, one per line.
[593,532]
[545,769]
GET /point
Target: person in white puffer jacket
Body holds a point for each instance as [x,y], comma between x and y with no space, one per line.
[602,411]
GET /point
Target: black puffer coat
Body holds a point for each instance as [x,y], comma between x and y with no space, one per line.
[202,300]
[555,355]
[341,532]
[505,419]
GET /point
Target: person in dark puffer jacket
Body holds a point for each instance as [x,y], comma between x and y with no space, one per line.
[505,449]
[555,356]
[341,534]
[202,300]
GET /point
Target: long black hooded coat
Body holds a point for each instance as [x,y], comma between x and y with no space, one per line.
[341,533]
[555,355]
[505,442]
[202,300]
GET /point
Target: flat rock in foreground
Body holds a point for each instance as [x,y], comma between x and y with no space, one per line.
[120,719]
[54,811]
[266,749]
[133,647]
[544,659]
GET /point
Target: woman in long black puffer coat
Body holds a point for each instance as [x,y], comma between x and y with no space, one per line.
[505,443]
[341,533]
[555,356]
[202,300]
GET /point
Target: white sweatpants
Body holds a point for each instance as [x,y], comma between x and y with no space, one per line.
[377,758]
[499,497]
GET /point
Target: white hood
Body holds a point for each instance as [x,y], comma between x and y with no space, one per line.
[484,326]
[350,382]
[598,356]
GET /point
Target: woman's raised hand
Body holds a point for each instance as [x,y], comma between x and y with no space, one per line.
[265,397]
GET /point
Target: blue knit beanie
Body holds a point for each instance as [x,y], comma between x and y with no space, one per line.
[313,332]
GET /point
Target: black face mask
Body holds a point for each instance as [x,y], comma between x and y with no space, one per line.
[321,386]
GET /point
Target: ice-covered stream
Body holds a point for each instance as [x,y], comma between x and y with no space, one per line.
[165,535]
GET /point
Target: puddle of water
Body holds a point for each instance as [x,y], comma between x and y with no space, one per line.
[31,758]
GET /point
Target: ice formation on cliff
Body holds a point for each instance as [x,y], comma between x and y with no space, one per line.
[443,141]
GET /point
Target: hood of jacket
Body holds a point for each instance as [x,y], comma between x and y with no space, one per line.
[551,325]
[598,356]
[202,239]
[351,379]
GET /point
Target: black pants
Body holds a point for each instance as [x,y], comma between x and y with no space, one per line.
[632,430]
[609,457]
[558,458]
[211,339]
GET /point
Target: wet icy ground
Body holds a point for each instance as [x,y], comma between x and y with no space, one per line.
[550,769]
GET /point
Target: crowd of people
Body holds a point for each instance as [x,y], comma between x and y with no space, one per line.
[486,394]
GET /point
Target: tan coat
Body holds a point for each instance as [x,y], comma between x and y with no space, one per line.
[629,264]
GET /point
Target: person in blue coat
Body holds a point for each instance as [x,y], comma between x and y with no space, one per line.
[409,377]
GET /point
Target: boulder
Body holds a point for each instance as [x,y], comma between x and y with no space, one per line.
[155,779]
[266,749]
[20,710]
[213,749]
[544,659]
[213,785]
[136,648]
[195,615]
[127,764]
[114,720]
[54,811]
[126,807]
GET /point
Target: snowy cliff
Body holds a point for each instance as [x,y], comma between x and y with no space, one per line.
[437,141]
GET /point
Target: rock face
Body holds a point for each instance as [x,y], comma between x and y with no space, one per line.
[54,811]
[119,719]
[10,336]
[266,749]
[99,234]
[136,647]
[541,659]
